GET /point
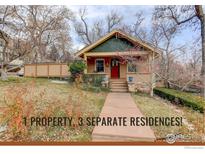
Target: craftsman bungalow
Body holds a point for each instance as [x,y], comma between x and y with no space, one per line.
[124,61]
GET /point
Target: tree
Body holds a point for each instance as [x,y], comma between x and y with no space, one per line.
[35,30]
[88,33]
[137,29]
[171,51]
[45,26]
[9,52]
[192,16]
[192,70]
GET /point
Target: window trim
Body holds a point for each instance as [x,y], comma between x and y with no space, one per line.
[103,65]
[128,69]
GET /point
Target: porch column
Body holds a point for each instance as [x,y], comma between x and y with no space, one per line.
[85,59]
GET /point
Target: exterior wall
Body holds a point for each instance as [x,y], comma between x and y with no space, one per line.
[142,67]
[91,66]
[123,70]
[140,77]
[46,70]
[141,82]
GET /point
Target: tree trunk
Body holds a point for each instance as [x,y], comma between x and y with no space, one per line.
[3,74]
[166,83]
[203,57]
[3,71]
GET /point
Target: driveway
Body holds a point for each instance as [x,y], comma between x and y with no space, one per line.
[121,105]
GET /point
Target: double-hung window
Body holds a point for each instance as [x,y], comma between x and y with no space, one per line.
[99,65]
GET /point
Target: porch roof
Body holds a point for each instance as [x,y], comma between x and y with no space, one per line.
[110,54]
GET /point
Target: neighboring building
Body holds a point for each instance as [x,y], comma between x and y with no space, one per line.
[124,61]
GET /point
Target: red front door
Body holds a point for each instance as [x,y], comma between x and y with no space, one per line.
[115,68]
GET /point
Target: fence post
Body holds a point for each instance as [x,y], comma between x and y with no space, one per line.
[24,70]
[36,70]
[60,71]
[48,71]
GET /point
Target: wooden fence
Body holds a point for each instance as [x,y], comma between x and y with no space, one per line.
[46,70]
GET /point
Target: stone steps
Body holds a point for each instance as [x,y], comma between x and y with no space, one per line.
[118,85]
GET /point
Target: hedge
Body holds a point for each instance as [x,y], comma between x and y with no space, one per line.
[94,79]
[183,98]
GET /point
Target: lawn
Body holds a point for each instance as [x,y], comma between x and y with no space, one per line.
[192,120]
[26,97]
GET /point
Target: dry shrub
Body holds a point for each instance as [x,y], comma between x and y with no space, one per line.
[16,109]
[27,100]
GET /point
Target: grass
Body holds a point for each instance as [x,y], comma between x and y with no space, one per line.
[40,97]
[156,107]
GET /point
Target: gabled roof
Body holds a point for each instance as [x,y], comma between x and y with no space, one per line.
[111,34]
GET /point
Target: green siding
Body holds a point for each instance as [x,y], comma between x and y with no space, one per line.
[113,44]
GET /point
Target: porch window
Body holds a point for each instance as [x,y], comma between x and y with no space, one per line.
[131,67]
[99,65]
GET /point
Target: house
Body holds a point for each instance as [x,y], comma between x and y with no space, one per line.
[124,61]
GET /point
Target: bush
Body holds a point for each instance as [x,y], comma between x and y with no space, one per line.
[76,68]
[183,98]
[93,82]
[88,87]
[93,79]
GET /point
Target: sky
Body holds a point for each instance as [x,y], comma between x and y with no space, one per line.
[96,11]
[128,12]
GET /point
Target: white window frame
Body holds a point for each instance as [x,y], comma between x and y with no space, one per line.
[103,64]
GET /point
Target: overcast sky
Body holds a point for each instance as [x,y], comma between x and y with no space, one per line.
[128,12]
[100,11]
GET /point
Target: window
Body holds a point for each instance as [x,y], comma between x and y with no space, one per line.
[131,67]
[99,65]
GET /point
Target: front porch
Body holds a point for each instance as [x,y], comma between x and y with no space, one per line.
[117,72]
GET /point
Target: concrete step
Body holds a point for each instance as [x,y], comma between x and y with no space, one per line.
[119,90]
[117,84]
[113,87]
[117,87]
[123,79]
[118,81]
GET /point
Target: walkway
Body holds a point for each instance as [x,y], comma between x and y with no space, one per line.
[121,105]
